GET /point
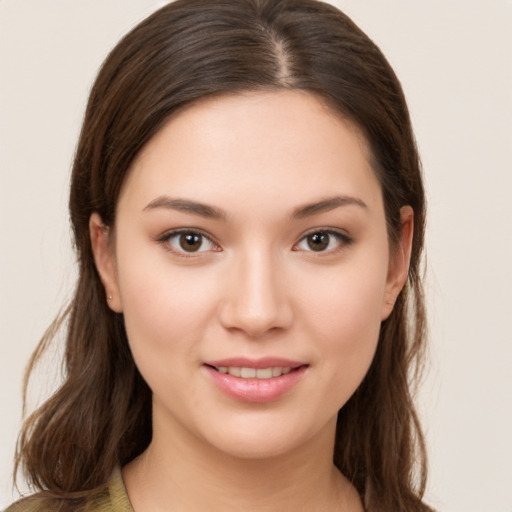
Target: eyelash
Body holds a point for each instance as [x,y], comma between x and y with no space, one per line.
[342,241]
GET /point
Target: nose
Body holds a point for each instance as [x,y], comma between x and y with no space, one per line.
[257,300]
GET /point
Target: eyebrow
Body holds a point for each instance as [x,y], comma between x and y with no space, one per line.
[187,206]
[326,205]
[211,212]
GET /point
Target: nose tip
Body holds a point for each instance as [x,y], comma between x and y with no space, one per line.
[257,302]
[253,323]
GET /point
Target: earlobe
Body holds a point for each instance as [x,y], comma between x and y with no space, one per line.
[399,261]
[105,261]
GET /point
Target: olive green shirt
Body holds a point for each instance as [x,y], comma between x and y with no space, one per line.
[110,497]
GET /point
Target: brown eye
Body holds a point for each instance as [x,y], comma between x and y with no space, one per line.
[318,241]
[190,242]
[323,241]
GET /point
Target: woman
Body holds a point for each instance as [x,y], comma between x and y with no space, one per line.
[248,215]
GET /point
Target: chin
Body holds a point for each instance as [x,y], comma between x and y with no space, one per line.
[253,439]
[254,449]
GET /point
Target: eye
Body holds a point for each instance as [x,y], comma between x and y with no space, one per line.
[323,240]
[188,241]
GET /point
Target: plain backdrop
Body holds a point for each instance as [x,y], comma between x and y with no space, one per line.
[454,58]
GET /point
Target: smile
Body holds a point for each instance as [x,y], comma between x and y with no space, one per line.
[254,373]
[262,380]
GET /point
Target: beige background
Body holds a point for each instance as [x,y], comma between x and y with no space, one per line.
[454,58]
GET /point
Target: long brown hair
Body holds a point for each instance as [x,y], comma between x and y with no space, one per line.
[100,417]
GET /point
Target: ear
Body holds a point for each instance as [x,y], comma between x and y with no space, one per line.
[399,262]
[104,258]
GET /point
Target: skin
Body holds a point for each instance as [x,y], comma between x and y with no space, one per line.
[256,288]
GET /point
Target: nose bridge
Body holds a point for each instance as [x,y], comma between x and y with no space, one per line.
[257,299]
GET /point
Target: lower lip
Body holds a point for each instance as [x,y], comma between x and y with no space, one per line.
[255,390]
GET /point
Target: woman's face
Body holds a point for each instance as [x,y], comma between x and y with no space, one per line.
[250,260]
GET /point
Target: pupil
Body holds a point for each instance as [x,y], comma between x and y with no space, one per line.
[318,241]
[190,242]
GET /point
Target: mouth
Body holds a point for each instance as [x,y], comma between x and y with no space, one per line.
[245,372]
[262,380]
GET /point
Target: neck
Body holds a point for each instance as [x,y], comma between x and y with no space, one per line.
[188,474]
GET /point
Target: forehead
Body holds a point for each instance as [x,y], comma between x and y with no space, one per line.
[286,146]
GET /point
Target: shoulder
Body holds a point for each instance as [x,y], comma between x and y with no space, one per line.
[41,503]
[110,497]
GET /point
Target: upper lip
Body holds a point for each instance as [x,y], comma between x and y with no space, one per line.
[263,362]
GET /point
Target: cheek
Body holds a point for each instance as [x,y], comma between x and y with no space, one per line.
[344,311]
[350,325]
[348,301]
[165,308]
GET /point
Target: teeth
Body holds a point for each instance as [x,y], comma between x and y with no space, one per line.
[253,373]
[277,371]
[236,372]
[264,373]
[247,373]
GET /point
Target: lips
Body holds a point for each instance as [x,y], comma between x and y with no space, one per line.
[258,380]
